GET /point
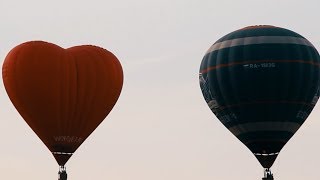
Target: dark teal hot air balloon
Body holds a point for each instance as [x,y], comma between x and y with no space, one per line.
[261,82]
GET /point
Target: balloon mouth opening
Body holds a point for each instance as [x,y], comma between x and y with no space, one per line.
[266,159]
[62,157]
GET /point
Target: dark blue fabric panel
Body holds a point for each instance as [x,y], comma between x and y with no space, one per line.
[265,142]
[259,52]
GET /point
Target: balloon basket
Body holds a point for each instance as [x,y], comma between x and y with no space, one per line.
[267,174]
[62,174]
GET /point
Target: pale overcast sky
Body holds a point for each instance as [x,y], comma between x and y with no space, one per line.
[161,127]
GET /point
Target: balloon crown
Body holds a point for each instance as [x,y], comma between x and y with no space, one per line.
[258,26]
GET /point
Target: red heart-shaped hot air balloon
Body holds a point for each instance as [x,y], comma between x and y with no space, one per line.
[62,94]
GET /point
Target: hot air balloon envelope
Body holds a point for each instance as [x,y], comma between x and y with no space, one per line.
[62,94]
[261,82]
